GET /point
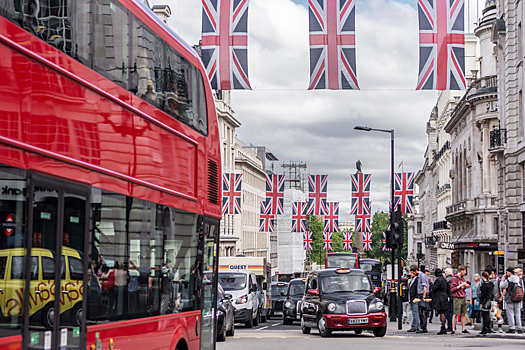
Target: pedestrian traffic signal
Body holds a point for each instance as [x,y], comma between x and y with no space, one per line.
[398,231]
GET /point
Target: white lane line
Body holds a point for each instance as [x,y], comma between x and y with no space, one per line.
[273,325]
[258,329]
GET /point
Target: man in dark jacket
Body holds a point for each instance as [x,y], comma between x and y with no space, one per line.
[412,294]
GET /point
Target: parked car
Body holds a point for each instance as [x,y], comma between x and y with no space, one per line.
[292,304]
[340,300]
[225,321]
[277,299]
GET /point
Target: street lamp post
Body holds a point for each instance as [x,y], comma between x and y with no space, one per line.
[399,269]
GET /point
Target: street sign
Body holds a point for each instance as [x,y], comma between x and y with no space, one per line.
[9,225]
[499,252]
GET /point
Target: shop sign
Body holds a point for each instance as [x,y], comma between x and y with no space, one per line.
[446,245]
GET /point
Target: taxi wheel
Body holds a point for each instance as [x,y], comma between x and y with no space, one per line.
[380,332]
[358,331]
[306,330]
[48,316]
[222,335]
[76,315]
[321,326]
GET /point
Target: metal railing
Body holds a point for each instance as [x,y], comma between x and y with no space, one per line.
[459,206]
[442,151]
[441,225]
[442,188]
[498,137]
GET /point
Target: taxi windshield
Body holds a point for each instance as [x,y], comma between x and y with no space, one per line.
[232,281]
[276,290]
[345,283]
[297,288]
[341,260]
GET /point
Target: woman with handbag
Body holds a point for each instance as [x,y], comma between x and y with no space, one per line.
[440,296]
[485,299]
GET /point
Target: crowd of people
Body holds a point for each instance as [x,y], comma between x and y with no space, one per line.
[454,300]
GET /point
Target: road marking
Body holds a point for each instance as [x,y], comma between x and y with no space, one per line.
[273,325]
[261,328]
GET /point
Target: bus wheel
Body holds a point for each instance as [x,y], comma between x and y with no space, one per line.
[48,316]
[76,315]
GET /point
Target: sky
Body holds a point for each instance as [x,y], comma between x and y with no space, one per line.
[317,127]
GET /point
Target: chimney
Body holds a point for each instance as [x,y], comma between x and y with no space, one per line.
[163,12]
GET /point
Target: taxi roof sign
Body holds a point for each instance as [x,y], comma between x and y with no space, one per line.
[343,271]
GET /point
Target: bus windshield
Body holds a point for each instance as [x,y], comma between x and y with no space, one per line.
[341,260]
[232,281]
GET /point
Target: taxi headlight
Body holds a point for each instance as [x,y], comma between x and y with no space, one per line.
[332,307]
[377,306]
[288,304]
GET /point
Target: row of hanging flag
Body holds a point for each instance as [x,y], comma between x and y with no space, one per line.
[333,43]
[347,241]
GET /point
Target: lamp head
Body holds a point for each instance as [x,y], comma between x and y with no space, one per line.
[362,128]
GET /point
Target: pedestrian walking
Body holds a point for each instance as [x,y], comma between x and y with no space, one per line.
[412,297]
[430,284]
[440,297]
[449,313]
[476,307]
[424,306]
[495,295]
[485,299]
[511,291]
[457,287]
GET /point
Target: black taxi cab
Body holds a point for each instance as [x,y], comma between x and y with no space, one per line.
[278,288]
[342,300]
[292,303]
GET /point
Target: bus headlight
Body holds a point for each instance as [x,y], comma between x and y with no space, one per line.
[332,307]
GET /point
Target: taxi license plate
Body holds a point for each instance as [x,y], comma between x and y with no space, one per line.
[278,312]
[357,320]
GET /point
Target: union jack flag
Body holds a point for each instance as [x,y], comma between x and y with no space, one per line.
[327,241]
[307,240]
[275,193]
[404,191]
[363,223]
[225,43]
[266,219]
[441,45]
[347,240]
[231,193]
[331,219]
[318,189]
[385,249]
[360,194]
[367,241]
[332,44]
[298,217]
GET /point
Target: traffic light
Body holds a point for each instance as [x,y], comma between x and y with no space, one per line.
[398,232]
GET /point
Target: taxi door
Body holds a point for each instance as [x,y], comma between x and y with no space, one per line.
[3,291]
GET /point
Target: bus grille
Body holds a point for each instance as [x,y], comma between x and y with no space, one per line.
[356,307]
[213,182]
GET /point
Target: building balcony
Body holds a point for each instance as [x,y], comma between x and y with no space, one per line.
[442,189]
[431,240]
[498,139]
[459,208]
[442,151]
[441,225]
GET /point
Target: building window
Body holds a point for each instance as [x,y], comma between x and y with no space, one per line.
[520,114]
[419,227]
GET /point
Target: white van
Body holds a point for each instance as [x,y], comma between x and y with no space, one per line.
[242,285]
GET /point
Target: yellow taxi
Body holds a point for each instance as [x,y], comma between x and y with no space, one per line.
[42,285]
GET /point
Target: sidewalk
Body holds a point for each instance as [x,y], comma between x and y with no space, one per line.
[435,327]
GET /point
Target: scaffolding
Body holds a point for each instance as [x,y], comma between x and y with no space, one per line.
[293,178]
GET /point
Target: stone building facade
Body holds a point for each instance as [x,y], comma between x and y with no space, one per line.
[473,214]
[431,233]
[508,138]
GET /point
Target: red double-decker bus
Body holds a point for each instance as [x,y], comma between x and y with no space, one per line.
[109,180]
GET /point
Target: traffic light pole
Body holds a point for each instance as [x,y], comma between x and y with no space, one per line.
[393,286]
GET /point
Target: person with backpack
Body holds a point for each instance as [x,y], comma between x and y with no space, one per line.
[485,300]
[512,293]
